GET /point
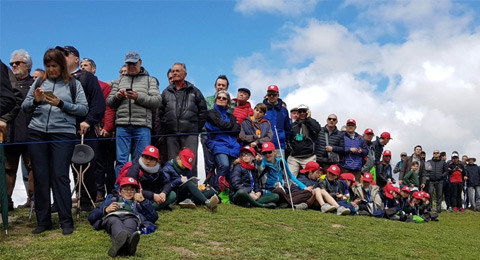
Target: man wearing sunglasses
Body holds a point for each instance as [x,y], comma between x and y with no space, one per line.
[436,173]
[277,114]
[302,142]
[335,146]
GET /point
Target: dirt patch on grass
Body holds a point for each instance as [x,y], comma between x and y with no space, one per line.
[288,228]
[185,252]
[338,226]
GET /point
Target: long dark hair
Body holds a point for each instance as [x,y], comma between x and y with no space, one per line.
[58,57]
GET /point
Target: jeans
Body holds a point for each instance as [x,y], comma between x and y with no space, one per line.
[474,196]
[224,164]
[130,140]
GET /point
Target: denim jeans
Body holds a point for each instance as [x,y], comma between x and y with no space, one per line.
[131,140]
[224,164]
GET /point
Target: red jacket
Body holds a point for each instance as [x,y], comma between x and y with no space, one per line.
[108,119]
[242,111]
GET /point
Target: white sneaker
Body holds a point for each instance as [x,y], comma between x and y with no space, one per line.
[187,204]
[327,208]
[342,211]
[302,205]
[212,203]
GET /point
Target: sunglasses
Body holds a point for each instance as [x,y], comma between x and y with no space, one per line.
[332,119]
[436,152]
[16,63]
[272,94]
[302,111]
[222,98]
[269,152]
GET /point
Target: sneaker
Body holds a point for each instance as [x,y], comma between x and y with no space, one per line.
[41,229]
[187,204]
[327,208]
[212,203]
[283,205]
[462,210]
[449,209]
[342,211]
[395,217]
[455,209]
[67,231]
[302,206]
[270,205]
[118,243]
[133,242]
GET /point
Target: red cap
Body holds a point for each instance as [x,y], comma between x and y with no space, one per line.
[418,195]
[396,189]
[129,181]
[311,166]
[347,176]
[406,188]
[187,157]
[152,151]
[387,152]
[389,189]
[351,121]
[334,169]
[273,88]
[386,135]
[248,149]
[367,131]
[425,194]
[367,177]
[267,147]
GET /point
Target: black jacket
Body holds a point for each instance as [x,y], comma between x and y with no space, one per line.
[384,172]
[306,146]
[181,111]
[7,98]
[473,174]
[151,182]
[94,95]
[436,169]
[240,179]
[335,139]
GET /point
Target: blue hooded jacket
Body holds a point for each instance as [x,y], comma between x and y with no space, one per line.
[223,129]
[279,117]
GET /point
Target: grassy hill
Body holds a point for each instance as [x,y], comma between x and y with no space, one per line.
[239,233]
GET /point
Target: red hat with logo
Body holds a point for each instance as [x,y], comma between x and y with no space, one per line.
[334,169]
[406,189]
[187,157]
[129,181]
[152,151]
[396,189]
[387,152]
[311,166]
[368,130]
[347,176]
[386,135]
[267,147]
[367,177]
[418,195]
[351,121]
[425,195]
[389,190]
[272,88]
[248,149]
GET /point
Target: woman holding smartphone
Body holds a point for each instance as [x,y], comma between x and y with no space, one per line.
[51,132]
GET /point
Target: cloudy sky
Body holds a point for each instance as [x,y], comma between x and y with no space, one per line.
[408,67]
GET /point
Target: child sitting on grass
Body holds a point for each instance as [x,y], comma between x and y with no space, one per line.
[122,215]
[411,178]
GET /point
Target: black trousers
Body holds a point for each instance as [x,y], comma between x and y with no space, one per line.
[105,170]
[50,164]
[456,194]
[115,223]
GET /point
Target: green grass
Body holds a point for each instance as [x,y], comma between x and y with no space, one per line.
[239,233]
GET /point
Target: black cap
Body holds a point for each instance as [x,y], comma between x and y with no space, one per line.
[245,90]
[69,49]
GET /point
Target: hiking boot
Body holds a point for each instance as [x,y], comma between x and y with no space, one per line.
[118,243]
[302,206]
[212,203]
[342,211]
[462,210]
[270,205]
[187,204]
[455,209]
[327,208]
[67,231]
[41,229]
[133,242]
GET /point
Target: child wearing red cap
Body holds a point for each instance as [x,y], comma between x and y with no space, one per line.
[334,192]
[245,188]
[155,185]
[412,208]
[179,171]
[366,193]
[123,215]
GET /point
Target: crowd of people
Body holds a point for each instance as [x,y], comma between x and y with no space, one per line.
[145,144]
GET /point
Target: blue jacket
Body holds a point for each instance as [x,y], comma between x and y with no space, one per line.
[274,173]
[307,181]
[145,212]
[172,176]
[218,120]
[353,161]
[151,182]
[61,119]
[278,116]
[241,178]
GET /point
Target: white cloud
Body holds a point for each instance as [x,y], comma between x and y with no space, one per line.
[431,98]
[285,7]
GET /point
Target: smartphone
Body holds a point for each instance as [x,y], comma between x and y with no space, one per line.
[48,93]
[128,89]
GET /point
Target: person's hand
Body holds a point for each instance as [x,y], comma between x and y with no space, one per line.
[253,144]
[353,150]
[400,182]
[3,127]
[328,148]
[465,178]
[422,186]
[159,198]
[184,179]
[133,94]
[309,188]
[84,126]
[138,197]
[121,93]
[52,100]
[104,133]
[259,158]
[112,207]
[38,95]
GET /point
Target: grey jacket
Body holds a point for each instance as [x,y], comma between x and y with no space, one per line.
[135,112]
[51,119]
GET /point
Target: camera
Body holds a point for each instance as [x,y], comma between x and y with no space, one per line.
[121,205]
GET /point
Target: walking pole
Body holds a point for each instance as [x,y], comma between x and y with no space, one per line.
[284,168]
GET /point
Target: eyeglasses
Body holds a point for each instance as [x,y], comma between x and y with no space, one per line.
[269,152]
[129,190]
[246,154]
[331,119]
[272,94]
[123,72]
[302,111]
[222,98]
[16,63]
[436,152]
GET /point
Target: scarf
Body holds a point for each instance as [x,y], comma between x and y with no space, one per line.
[248,166]
[178,169]
[147,169]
